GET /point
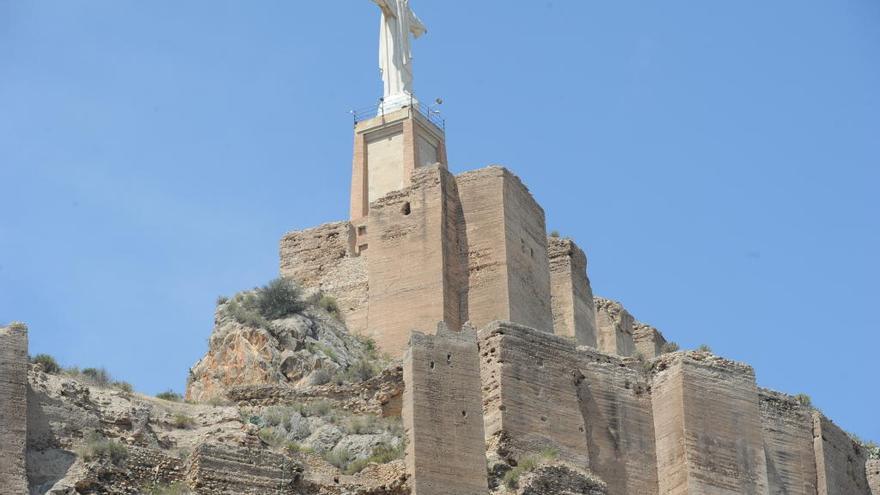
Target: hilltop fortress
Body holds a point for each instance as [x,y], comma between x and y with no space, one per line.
[553,366]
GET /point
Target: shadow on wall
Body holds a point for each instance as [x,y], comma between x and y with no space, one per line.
[47,463]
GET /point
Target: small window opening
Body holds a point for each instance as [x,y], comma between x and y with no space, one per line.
[406,209]
[449,359]
[362,230]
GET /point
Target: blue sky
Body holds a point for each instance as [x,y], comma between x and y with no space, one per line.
[718,161]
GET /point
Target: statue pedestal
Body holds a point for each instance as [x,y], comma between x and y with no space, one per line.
[393,103]
[387,149]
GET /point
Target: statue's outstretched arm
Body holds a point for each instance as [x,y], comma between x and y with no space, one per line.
[383,4]
[415,25]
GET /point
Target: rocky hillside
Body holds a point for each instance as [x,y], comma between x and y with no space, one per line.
[279,335]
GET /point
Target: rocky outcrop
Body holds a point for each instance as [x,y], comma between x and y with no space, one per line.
[309,348]
[560,479]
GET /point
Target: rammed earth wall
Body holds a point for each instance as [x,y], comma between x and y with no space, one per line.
[13,408]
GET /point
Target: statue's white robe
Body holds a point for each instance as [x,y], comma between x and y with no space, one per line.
[395,56]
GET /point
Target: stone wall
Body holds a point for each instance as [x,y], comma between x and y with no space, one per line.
[615,402]
[215,469]
[323,258]
[574,311]
[442,413]
[708,426]
[788,444]
[614,327]
[530,395]
[505,235]
[648,341]
[840,463]
[13,408]
[873,468]
[414,263]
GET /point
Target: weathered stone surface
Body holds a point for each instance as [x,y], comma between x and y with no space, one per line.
[574,311]
[561,479]
[530,399]
[615,401]
[840,462]
[505,233]
[708,426]
[324,258]
[614,326]
[648,340]
[222,469]
[13,408]
[415,260]
[873,469]
[788,444]
[446,453]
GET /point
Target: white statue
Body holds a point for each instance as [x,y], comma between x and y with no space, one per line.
[395,56]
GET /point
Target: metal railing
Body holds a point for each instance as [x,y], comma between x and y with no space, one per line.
[430,112]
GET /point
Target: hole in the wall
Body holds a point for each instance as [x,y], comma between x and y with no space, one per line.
[544,418]
[502,407]
[449,359]
[406,210]
[432,364]
[531,252]
[464,414]
[581,429]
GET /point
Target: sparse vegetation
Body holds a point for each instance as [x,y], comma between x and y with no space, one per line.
[272,436]
[18,326]
[172,489]
[122,386]
[329,304]
[340,458]
[644,362]
[804,400]
[170,396]
[669,347]
[96,446]
[362,370]
[49,364]
[382,454]
[526,465]
[183,422]
[554,233]
[321,376]
[279,298]
[97,376]
[873,450]
[705,348]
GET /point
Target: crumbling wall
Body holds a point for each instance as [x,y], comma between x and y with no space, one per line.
[509,273]
[571,298]
[322,258]
[708,426]
[414,262]
[13,408]
[840,462]
[530,395]
[615,401]
[216,469]
[788,444]
[648,341]
[614,327]
[442,413]
[873,468]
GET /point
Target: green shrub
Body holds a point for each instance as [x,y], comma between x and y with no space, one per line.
[382,454]
[244,311]
[340,458]
[705,348]
[296,448]
[123,386]
[169,395]
[804,400]
[526,465]
[279,298]
[219,401]
[95,446]
[175,488]
[321,376]
[272,436]
[97,376]
[554,233]
[329,304]
[183,422]
[50,365]
[669,347]
[363,425]
[222,300]
[361,371]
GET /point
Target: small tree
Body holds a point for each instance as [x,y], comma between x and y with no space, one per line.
[554,233]
[169,395]
[705,348]
[279,298]
[669,347]
[49,364]
[804,400]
